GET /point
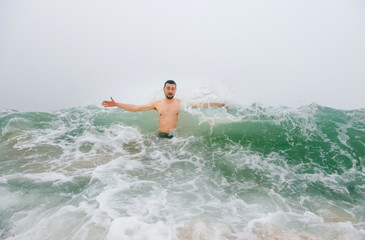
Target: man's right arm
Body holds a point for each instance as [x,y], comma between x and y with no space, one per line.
[129,107]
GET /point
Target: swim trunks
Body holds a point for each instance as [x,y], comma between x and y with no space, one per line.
[165,135]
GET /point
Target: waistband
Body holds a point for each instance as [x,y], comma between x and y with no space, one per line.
[165,135]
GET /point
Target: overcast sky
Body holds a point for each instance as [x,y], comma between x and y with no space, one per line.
[66,53]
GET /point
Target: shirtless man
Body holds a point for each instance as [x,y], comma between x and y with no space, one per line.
[167,108]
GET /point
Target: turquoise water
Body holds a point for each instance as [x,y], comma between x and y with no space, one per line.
[252,172]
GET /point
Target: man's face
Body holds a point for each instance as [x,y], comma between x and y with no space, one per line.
[169,90]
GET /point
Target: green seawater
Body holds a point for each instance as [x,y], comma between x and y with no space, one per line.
[258,172]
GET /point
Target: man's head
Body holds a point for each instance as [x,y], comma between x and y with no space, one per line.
[169,89]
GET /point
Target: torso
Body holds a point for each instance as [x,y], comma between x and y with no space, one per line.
[168,111]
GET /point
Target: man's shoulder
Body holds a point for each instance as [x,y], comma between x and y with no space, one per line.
[156,103]
[177,101]
[153,103]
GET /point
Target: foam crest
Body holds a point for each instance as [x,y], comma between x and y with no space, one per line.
[212,116]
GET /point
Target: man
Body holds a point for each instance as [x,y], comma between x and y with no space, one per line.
[167,109]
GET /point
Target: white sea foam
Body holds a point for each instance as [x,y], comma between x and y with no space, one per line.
[133,229]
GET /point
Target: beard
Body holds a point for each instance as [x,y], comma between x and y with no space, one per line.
[169,96]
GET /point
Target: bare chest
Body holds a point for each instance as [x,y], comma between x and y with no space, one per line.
[167,110]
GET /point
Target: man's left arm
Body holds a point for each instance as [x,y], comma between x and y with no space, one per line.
[197,105]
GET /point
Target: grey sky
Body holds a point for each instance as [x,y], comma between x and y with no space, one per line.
[56,54]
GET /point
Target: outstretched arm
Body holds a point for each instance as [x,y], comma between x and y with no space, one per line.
[197,105]
[129,107]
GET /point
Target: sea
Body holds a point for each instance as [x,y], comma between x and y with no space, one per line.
[242,173]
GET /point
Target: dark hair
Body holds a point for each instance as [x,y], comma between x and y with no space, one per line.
[169,82]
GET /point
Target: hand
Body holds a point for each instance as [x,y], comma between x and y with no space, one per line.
[225,106]
[111,103]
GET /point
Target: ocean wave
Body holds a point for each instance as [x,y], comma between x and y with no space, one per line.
[236,173]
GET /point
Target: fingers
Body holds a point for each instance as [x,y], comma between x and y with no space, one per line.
[105,104]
